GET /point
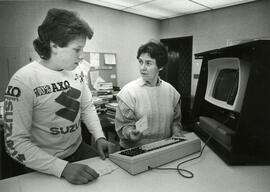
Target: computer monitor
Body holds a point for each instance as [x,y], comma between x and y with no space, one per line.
[226,82]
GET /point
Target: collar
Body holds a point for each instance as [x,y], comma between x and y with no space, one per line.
[145,83]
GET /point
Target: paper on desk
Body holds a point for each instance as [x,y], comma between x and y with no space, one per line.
[142,124]
[102,167]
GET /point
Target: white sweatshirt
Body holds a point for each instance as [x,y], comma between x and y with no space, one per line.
[43,111]
[159,104]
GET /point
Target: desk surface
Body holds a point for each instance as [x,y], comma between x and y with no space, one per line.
[211,174]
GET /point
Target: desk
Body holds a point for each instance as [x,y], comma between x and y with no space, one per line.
[211,174]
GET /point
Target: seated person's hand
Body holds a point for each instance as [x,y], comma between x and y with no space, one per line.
[134,135]
[104,147]
[178,134]
[79,174]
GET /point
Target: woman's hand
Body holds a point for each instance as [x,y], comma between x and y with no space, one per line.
[134,135]
[178,134]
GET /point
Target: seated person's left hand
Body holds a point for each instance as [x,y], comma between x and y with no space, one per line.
[134,135]
[104,147]
[178,134]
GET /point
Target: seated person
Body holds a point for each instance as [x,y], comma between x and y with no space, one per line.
[150,98]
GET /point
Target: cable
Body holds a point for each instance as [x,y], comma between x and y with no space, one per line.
[188,174]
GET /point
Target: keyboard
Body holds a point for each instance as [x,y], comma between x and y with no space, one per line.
[151,146]
[138,159]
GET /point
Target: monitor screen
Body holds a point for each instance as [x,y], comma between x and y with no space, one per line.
[226,85]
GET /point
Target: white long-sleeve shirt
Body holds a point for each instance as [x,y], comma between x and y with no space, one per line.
[43,111]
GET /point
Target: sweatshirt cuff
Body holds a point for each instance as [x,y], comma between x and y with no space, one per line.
[98,135]
[59,167]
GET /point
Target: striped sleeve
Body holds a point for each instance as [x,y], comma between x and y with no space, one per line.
[124,119]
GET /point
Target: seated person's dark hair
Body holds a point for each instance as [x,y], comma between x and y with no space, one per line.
[156,50]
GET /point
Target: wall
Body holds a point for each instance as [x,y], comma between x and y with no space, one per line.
[123,33]
[212,29]
[114,31]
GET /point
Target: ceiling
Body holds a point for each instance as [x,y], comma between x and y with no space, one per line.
[164,9]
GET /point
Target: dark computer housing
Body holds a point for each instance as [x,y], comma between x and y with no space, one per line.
[232,102]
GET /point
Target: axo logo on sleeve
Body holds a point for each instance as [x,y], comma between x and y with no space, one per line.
[13,92]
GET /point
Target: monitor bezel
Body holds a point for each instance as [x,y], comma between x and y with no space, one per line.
[214,68]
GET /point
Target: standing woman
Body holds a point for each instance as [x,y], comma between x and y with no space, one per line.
[46,100]
[148,99]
